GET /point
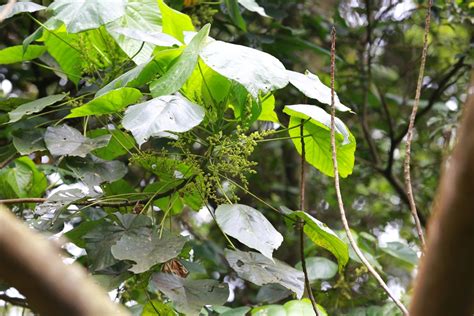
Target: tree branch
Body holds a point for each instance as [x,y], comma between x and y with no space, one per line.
[345,223]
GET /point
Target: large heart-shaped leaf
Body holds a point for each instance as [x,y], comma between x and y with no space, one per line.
[81,15]
[317,138]
[94,171]
[249,226]
[20,7]
[189,296]
[140,15]
[34,106]
[260,270]
[323,236]
[15,54]
[67,141]
[255,70]
[148,249]
[22,180]
[27,141]
[162,116]
[319,268]
[310,85]
[110,102]
[179,72]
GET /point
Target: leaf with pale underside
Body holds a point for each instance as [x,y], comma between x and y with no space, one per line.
[160,117]
[249,226]
[64,140]
[34,107]
[260,270]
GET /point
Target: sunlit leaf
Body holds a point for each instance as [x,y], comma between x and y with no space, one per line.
[22,180]
[162,116]
[21,7]
[255,70]
[249,226]
[310,85]
[260,270]
[189,296]
[175,22]
[317,138]
[110,102]
[81,15]
[15,54]
[120,143]
[253,6]
[179,72]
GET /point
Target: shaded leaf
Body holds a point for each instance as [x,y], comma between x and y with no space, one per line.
[110,102]
[120,143]
[319,268]
[175,22]
[189,296]
[15,54]
[95,171]
[160,116]
[271,293]
[148,249]
[324,237]
[255,70]
[64,140]
[22,180]
[235,15]
[34,106]
[401,251]
[260,270]
[173,79]
[310,85]
[249,226]
[29,141]
[81,15]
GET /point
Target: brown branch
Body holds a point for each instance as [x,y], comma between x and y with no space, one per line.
[103,203]
[345,223]
[449,258]
[411,126]
[30,263]
[300,223]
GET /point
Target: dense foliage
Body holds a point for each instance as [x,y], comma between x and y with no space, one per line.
[163,143]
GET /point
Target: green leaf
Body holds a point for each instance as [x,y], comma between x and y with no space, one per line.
[227,311]
[161,117]
[62,46]
[111,102]
[155,38]
[324,237]
[310,85]
[189,296]
[64,140]
[34,106]
[268,110]
[263,72]
[95,171]
[135,77]
[253,6]
[235,15]
[81,15]
[271,293]
[318,139]
[179,72]
[141,15]
[260,270]
[100,239]
[303,308]
[23,180]
[14,54]
[175,23]
[29,141]
[401,251]
[319,268]
[152,308]
[266,310]
[249,226]
[21,7]
[120,143]
[148,249]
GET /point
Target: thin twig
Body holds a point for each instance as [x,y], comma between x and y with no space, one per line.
[6,10]
[340,202]
[411,125]
[300,223]
[103,203]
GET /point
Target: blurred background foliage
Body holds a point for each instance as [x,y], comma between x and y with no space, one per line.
[378,55]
